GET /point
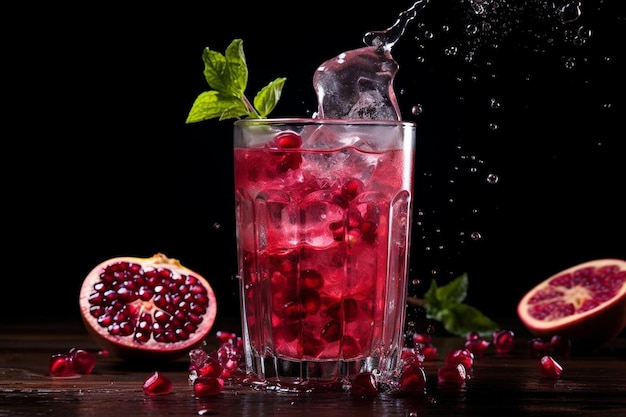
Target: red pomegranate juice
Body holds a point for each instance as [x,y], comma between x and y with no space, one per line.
[323,215]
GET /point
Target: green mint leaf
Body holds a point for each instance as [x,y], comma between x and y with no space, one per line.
[227,74]
[213,104]
[461,319]
[267,98]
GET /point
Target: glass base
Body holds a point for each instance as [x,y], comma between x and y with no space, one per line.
[276,374]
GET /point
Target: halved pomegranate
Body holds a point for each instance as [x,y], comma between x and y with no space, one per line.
[147,308]
[585,303]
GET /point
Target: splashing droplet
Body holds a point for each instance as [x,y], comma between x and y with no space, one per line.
[492,179]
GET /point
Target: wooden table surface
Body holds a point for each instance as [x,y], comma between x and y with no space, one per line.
[592,384]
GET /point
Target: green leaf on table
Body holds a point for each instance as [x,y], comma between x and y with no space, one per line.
[445,304]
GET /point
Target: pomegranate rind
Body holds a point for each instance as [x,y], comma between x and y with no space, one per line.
[125,347]
[594,327]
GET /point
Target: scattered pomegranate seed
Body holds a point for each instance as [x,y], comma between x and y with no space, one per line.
[504,340]
[477,346]
[462,356]
[412,355]
[430,352]
[474,335]
[75,362]
[550,368]
[82,361]
[364,385]
[456,374]
[423,342]
[205,386]
[61,366]
[157,384]
[538,347]
[412,378]
[560,346]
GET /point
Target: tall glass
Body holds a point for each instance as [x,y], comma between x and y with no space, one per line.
[323,215]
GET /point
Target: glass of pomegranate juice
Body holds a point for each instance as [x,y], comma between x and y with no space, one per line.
[323,216]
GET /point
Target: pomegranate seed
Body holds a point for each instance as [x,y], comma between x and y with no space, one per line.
[429,351]
[411,355]
[352,188]
[473,335]
[205,386]
[538,347]
[157,384]
[364,385]
[422,338]
[462,356]
[550,368]
[456,374]
[61,366]
[224,337]
[412,378]
[477,346]
[82,361]
[288,140]
[504,341]
[560,346]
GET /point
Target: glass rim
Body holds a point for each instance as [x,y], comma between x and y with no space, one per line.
[323,121]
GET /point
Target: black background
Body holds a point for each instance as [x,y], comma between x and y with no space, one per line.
[98,161]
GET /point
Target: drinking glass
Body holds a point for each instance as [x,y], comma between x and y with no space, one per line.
[323,219]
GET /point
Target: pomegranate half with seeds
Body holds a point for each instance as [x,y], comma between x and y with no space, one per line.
[585,303]
[147,308]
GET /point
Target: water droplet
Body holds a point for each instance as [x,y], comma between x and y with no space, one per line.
[570,63]
[569,12]
[417,109]
[492,178]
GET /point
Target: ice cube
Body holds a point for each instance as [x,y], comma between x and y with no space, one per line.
[357,84]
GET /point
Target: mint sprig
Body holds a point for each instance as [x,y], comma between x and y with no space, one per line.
[227,76]
[445,305]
